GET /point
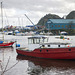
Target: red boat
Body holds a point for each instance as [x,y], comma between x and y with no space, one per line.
[6,44]
[2,42]
[40,48]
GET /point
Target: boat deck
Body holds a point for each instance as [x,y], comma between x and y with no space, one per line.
[24,49]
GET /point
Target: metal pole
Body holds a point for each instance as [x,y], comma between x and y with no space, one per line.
[2,19]
[29,19]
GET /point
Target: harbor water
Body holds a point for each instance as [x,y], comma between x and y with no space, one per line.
[14,64]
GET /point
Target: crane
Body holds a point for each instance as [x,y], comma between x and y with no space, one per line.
[34,24]
[29,19]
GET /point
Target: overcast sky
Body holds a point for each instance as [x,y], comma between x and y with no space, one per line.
[14,10]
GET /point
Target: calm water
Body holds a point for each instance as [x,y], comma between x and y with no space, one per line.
[19,65]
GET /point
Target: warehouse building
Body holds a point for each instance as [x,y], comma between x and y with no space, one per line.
[58,24]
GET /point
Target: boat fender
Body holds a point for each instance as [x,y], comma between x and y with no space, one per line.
[63,39]
[1,42]
[17,45]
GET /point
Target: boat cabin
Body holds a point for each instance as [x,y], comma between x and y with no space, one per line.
[42,42]
[35,41]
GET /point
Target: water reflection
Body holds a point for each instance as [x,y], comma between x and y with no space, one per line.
[6,54]
[39,66]
[7,49]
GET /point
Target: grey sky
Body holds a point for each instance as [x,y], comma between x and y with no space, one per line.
[35,9]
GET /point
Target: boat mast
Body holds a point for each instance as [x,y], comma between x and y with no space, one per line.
[2,20]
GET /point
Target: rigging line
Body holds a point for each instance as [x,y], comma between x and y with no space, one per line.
[6,15]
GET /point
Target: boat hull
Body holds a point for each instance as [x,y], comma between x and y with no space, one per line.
[6,44]
[50,53]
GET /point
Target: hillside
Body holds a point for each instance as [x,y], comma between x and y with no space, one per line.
[71,15]
[44,19]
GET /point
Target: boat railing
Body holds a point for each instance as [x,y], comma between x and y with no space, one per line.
[54,45]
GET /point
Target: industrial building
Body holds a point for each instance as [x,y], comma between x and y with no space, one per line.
[58,24]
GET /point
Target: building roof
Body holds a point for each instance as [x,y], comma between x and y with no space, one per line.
[30,26]
[61,21]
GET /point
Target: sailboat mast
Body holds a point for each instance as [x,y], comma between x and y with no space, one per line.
[2,19]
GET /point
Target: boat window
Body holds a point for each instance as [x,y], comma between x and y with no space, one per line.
[58,45]
[46,40]
[69,49]
[29,41]
[42,40]
[34,41]
[40,50]
[47,50]
[43,45]
[37,41]
[48,45]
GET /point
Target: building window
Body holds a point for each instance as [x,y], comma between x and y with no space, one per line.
[52,25]
[55,25]
[58,25]
[66,26]
[62,25]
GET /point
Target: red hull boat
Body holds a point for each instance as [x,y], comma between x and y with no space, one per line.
[57,53]
[9,44]
[46,50]
[2,42]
